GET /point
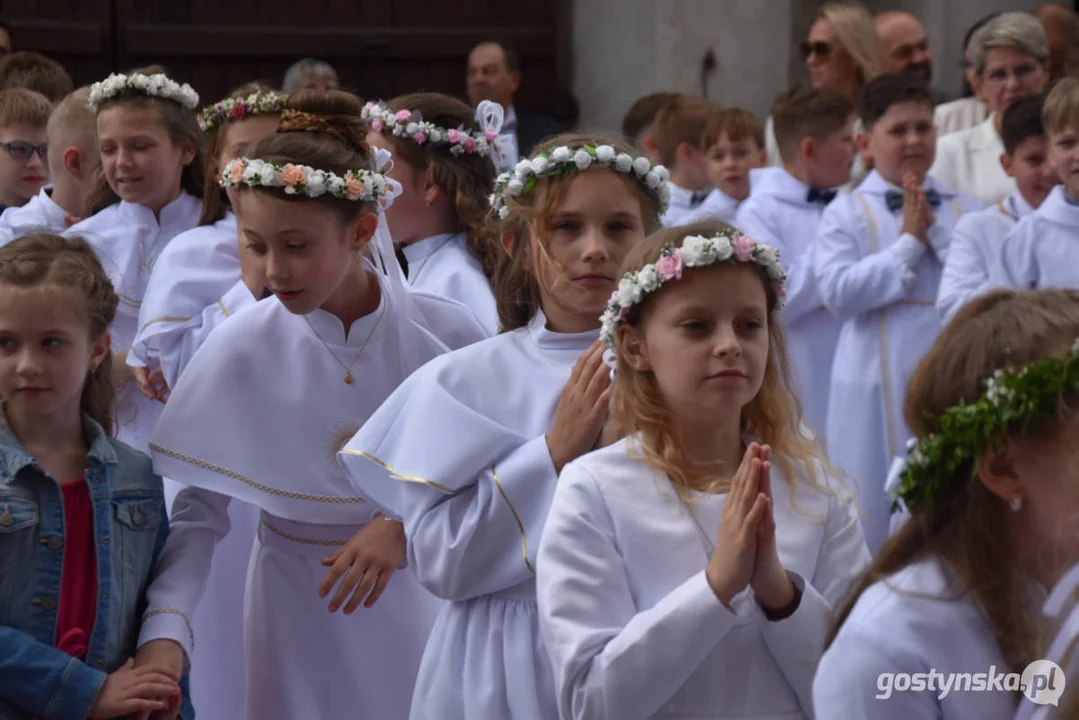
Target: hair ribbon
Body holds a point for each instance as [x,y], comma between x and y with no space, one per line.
[490,117]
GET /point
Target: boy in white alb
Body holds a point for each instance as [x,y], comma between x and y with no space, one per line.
[814,132]
[979,236]
[73,159]
[677,135]
[878,260]
[735,141]
[1042,250]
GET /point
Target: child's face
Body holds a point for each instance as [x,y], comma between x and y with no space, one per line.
[141,163]
[304,250]
[830,159]
[1064,157]
[729,163]
[705,338]
[587,238]
[21,178]
[1034,174]
[407,216]
[45,350]
[903,140]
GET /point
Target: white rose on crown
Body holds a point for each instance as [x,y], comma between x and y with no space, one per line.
[562,154]
[605,154]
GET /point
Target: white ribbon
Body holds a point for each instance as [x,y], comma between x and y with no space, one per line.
[611,361]
[490,116]
[384,164]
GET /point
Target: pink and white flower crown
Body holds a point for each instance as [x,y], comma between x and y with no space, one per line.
[257,103]
[726,248]
[355,185]
[410,124]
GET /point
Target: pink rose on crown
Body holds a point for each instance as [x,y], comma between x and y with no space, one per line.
[470,144]
[291,175]
[376,124]
[236,112]
[353,186]
[743,247]
[669,267]
[419,138]
[453,136]
[236,172]
[402,116]
[491,135]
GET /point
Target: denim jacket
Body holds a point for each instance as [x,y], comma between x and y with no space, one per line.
[130,525]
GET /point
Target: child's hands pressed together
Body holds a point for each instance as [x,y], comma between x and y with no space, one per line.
[134,689]
[918,215]
[582,408]
[367,562]
[770,581]
[733,562]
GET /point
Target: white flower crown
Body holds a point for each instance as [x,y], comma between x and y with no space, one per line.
[356,185]
[159,86]
[728,247]
[257,103]
[411,125]
[566,160]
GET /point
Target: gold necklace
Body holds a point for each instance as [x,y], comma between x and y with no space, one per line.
[348,368]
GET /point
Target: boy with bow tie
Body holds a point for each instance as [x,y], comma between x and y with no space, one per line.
[677,134]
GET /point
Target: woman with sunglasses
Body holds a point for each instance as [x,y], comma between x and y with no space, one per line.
[1010,58]
[842,54]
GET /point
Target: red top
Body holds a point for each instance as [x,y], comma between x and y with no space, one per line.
[78,578]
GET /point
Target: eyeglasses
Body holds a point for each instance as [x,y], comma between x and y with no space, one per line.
[20,150]
[820,48]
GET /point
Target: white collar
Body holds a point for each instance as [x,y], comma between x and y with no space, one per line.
[778,182]
[559,349]
[1058,209]
[328,327]
[177,212]
[1015,206]
[422,249]
[876,185]
[681,197]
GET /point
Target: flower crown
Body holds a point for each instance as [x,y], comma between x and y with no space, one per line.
[159,86]
[356,185]
[728,247]
[258,103]
[563,161]
[1011,402]
[410,124]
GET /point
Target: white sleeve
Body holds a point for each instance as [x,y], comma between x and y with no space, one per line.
[965,272]
[851,281]
[176,348]
[1016,265]
[610,661]
[200,518]
[482,538]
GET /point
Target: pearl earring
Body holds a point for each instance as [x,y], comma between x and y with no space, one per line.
[1016,503]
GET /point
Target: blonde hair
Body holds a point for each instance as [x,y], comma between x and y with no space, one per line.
[774,415]
[516,282]
[737,124]
[682,120]
[1061,110]
[967,525]
[854,29]
[22,106]
[72,123]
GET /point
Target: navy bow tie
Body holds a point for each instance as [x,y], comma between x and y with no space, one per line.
[816,195]
[894,199]
[697,198]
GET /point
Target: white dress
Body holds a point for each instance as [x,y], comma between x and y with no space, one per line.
[1041,252]
[463,455]
[976,244]
[39,215]
[259,415]
[968,162]
[883,287]
[443,266]
[632,626]
[913,622]
[779,214]
[128,240]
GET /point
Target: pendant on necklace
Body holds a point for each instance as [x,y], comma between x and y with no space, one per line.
[348,378]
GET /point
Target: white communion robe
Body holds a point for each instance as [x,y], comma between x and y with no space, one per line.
[778,214]
[259,415]
[912,623]
[443,265]
[883,287]
[968,161]
[463,455]
[633,628]
[40,214]
[858,170]
[976,244]
[1043,249]
[128,239]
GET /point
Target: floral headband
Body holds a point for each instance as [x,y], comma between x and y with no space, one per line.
[356,185]
[728,247]
[410,124]
[1011,402]
[258,103]
[563,161]
[159,86]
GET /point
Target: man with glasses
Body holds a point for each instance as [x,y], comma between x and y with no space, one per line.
[24,169]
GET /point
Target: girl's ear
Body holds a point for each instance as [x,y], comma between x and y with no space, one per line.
[431,191]
[997,472]
[632,348]
[99,349]
[188,152]
[363,230]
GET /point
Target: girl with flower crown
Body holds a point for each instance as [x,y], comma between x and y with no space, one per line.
[148,191]
[468,450]
[443,161]
[689,569]
[197,282]
[259,414]
[991,488]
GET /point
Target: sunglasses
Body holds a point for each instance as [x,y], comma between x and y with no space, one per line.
[20,150]
[820,48]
